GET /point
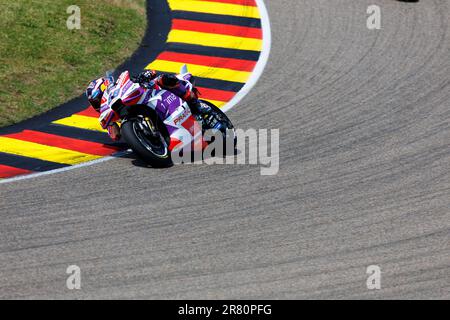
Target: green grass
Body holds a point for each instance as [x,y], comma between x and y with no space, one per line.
[43,64]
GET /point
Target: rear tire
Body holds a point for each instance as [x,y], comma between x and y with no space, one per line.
[216,110]
[133,139]
[223,118]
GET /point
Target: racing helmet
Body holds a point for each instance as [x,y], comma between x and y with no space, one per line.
[95,91]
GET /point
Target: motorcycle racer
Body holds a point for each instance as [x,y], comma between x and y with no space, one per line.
[175,85]
[148,79]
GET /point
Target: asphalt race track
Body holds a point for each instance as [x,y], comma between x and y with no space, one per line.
[364,180]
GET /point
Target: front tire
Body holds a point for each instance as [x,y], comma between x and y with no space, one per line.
[156,154]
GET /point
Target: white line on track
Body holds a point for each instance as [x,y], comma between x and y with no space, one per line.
[81,165]
[257,73]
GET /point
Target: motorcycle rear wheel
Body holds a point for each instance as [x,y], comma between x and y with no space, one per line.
[227,128]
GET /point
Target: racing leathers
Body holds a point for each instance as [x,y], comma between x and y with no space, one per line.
[150,80]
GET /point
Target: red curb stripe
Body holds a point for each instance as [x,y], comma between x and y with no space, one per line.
[218,28]
[215,62]
[89,112]
[8,172]
[214,94]
[250,3]
[52,140]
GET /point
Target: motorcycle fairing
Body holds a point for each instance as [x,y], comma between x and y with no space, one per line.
[175,113]
[183,128]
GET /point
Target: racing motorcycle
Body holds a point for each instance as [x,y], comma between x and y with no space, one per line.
[158,123]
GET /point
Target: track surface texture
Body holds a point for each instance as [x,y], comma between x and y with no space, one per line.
[364,179]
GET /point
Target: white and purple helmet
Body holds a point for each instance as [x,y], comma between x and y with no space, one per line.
[95,92]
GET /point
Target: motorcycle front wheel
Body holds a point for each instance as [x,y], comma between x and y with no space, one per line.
[147,144]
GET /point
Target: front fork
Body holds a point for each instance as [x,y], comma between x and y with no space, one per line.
[149,129]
